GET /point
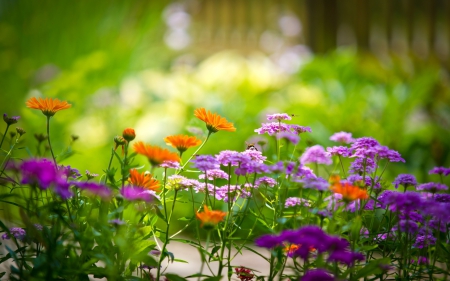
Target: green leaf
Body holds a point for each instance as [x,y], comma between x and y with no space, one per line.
[213,251]
[179,260]
[185,219]
[373,267]
[356,228]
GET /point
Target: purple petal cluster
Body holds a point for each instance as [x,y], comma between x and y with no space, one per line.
[274,128]
[316,183]
[230,157]
[405,180]
[358,165]
[303,172]
[290,137]
[339,151]
[315,154]
[420,260]
[10,120]
[214,174]
[294,201]
[40,172]
[267,181]
[17,232]
[440,171]
[252,167]
[342,137]
[317,274]
[170,165]
[205,162]
[132,193]
[231,192]
[432,187]
[300,129]
[312,237]
[95,188]
[278,117]
[423,241]
[254,155]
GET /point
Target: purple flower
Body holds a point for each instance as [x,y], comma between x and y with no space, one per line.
[364,143]
[405,180]
[432,187]
[63,190]
[316,183]
[229,157]
[424,241]
[440,171]
[269,241]
[408,226]
[299,129]
[95,188]
[289,167]
[317,275]
[205,163]
[391,155]
[255,155]
[294,201]
[406,202]
[420,260]
[342,137]
[346,257]
[445,198]
[339,150]
[278,117]
[290,137]
[214,174]
[39,172]
[270,182]
[357,166]
[272,128]
[132,193]
[251,167]
[10,120]
[277,167]
[315,154]
[17,232]
[69,172]
[38,226]
[355,179]
[170,165]
[303,172]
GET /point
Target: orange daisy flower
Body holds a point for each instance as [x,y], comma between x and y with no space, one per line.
[214,122]
[155,154]
[209,218]
[48,106]
[181,142]
[348,191]
[143,180]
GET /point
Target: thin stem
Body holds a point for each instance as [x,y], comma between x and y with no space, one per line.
[49,143]
[342,166]
[6,131]
[195,153]
[203,259]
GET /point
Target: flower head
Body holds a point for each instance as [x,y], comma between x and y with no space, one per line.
[17,232]
[315,154]
[214,122]
[182,142]
[317,274]
[440,171]
[129,134]
[155,155]
[405,180]
[243,274]
[211,218]
[348,191]
[144,180]
[20,131]
[205,163]
[342,137]
[432,187]
[48,106]
[132,193]
[10,120]
[95,188]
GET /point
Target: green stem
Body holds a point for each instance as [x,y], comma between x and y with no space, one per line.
[49,143]
[6,131]
[342,166]
[203,259]
[195,153]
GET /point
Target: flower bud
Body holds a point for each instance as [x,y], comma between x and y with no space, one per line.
[20,131]
[129,134]
[40,137]
[10,120]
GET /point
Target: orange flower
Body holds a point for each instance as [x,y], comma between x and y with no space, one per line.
[182,143]
[209,218]
[129,134]
[214,122]
[290,249]
[143,180]
[48,106]
[155,154]
[348,191]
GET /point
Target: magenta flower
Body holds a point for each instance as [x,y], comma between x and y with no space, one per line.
[405,180]
[432,187]
[205,163]
[339,150]
[214,174]
[95,188]
[317,274]
[278,117]
[132,193]
[315,154]
[440,171]
[342,137]
[290,137]
[294,201]
[270,182]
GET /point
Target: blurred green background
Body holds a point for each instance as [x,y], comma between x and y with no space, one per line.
[373,68]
